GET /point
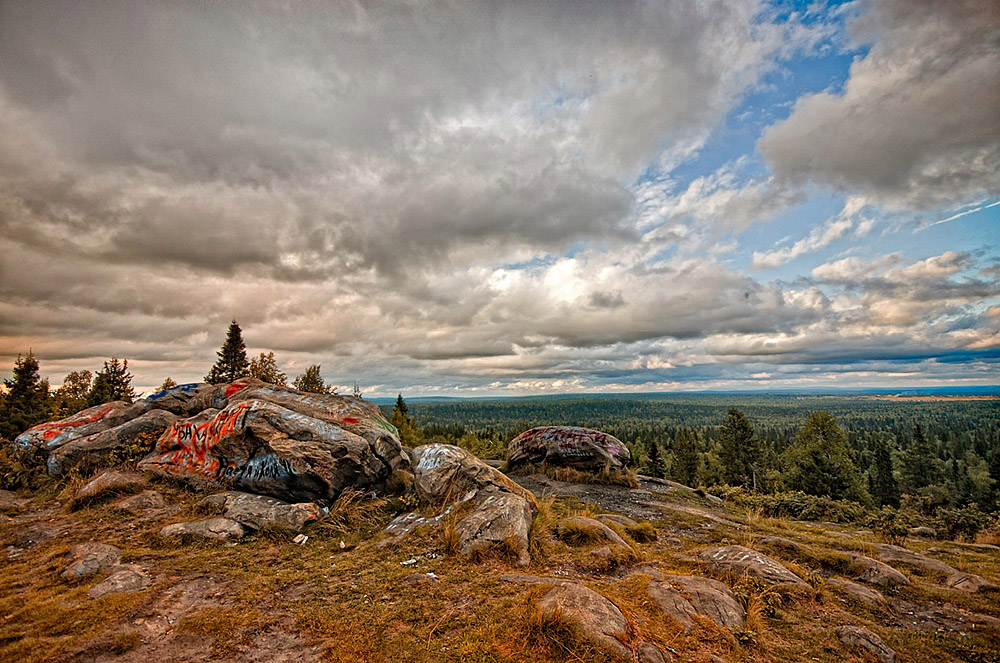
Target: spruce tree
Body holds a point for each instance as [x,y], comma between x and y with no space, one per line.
[169,383]
[26,402]
[884,489]
[112,383]
[232,363]
[409,435]
[920,465]
[738,450]
[819,462]
[401,405]
[685,465]
[313,382]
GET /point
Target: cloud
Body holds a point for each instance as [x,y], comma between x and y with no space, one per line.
[915,124]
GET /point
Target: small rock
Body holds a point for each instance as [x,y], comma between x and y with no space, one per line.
[259,511]
[858,592]
[300,539]
[418,578]
[128,578]
[147,500]
[969,582]
[682,597]
[588,529]
[213,528]
[87,559]
[863,640]
[617,519]
[739,560]
[409,562]
[647,652]
[109,481]
[926,532]
[598,619]
[876,572]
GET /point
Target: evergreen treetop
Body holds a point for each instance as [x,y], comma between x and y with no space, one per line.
[232,363]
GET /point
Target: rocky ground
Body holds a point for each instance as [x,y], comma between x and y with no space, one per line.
[144,569]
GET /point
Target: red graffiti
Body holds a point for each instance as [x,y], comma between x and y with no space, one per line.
[55,428]
[350,420]
[235,388]
[193,443]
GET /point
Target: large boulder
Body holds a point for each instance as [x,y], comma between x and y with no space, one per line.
[862,640]
[496,511]
[278,441]
[598,619]
[875,572]
[93,450]
[580,448]
[898,555]
[740,560]
[87,559]
[212,528]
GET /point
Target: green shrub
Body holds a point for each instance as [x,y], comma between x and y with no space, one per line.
[21,467]
[961,523]
[794,504]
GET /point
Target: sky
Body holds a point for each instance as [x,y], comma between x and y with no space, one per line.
[506,198]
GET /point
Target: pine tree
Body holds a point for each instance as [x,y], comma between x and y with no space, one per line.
[738,450]
[169,383]
[71,397]
[112,383]
[408,433]
[265,368]
[685,465]
[312,381]
[819,462]
[401,405]
[26,402]
[232,363]
[884,489]
[657,463]
[920,466]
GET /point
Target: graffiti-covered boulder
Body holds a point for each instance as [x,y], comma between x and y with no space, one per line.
[278,441]
[247,435]
[570,446]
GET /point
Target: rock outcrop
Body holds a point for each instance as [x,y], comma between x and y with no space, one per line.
[739,560]
[581,528]
[494,512]
[580,448]
[128,578]
[875,572]
[249,435]
[598,619]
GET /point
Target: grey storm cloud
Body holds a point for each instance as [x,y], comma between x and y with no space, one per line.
[451,194]
[916,123]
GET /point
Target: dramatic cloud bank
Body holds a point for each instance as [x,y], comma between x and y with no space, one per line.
[505,198]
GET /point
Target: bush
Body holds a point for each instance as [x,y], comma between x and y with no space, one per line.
[961,523]
[21,467]
[795,504]
[890,525]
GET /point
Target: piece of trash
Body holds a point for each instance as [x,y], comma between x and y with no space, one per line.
[300,539]
[432,575]
[409,562]
[342,545]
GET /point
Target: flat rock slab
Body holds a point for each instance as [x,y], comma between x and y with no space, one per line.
[212,528]
[856,591]
[877,573]
[147,500]
[261,512]
[942,618]
[129,578]
[109,481]
[598,619]
[970,583]
[87,559]
[862,640]
[588,530]
[684,597]
[616,519]
[739,560]
[899,555]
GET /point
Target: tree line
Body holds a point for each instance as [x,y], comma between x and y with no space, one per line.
[28,399]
